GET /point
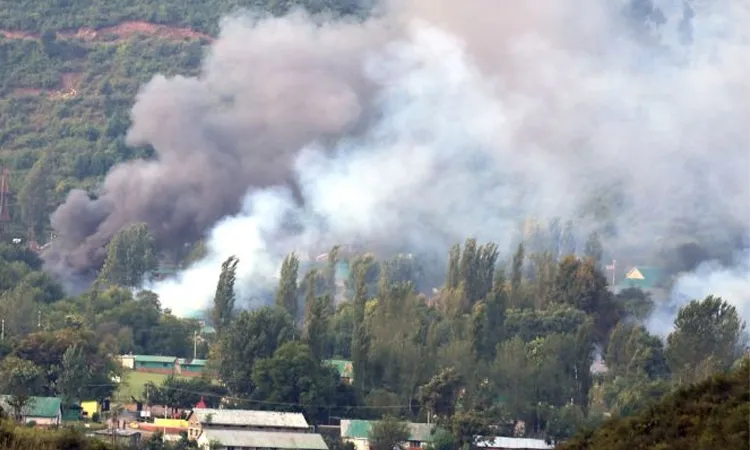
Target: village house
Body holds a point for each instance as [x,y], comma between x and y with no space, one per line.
[512,443]
[245,429]
[190,367]
[89,408]
[646,278]
[259,440]
[344,368]
[43,411]
[154,364]
[128,438]
[164,364]
[358,433]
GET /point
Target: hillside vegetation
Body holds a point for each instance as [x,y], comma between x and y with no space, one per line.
[70,72]
[713,414]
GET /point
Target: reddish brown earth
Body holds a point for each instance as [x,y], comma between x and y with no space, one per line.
[122,31]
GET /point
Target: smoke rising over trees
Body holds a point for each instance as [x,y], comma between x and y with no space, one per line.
[430,121]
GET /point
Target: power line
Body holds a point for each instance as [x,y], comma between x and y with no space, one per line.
[261,402]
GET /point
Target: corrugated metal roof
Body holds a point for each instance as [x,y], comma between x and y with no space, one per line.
[47,407]
[251,418]
[515,444]
[192,362]
[360,429]
[344,368]
[157,359]
[643,277]
[266,439]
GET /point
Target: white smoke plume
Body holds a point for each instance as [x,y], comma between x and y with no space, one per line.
[731,283]
[479,113]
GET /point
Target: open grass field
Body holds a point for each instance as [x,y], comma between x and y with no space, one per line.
[133,382]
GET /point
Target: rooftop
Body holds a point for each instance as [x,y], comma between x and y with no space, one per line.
[344,368]
[643,277]
[48,407]
[360,429]
[266,439]
[515,443]
[251,418]
[191,362]
[156,359]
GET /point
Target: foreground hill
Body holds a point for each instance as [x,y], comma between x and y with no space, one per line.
[714,414]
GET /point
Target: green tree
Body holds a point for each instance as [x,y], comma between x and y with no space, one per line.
[252,336]
[441,393]
[286,294]
[632,351]
[468,427]
[318,310]
[594,249]
[33,197]
[130,256]
[292,375]
[454,268]
[225,297]
[388,434]
[330,272]
[479,331]
[564,423]
[361,270]
[516,276]
[568,240]
[75,375]
[578,283]
[705,338]
[635,302]
[21,377]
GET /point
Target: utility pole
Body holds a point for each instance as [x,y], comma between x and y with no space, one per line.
[613,268]
[195,344]
[2,332]
[39,319]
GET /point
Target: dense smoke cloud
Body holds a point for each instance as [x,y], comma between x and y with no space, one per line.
[729,282]
[436,120]
[266,89]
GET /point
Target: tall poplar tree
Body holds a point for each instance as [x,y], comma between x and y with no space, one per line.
[286,294]
[225,296]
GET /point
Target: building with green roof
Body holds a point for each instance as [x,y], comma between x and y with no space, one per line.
[343,367]
[190,367]
[44,411]
[154,364]
[642,277]
[358,433]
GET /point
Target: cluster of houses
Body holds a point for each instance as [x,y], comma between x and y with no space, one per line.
[228,429]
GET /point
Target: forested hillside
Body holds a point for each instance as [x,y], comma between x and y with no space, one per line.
[712,414]
[70,71]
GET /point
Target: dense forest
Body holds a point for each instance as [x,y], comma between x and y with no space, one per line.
[498,347]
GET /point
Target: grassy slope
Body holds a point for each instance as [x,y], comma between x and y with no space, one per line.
[132,385]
